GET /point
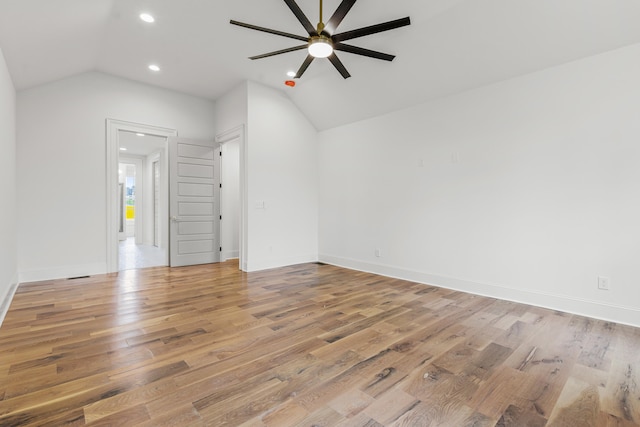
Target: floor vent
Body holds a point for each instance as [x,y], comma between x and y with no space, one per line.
[79,277]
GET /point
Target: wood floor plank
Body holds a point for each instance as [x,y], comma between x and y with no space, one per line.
[305,345]
[286,415]
[181,416]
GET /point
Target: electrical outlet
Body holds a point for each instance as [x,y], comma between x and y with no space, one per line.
[377,252]
[603,283]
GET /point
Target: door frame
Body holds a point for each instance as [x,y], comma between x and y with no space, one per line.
[238,133]
[113,126]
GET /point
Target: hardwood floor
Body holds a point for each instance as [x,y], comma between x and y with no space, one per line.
[309,345]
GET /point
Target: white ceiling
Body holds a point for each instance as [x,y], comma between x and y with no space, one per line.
[451,46]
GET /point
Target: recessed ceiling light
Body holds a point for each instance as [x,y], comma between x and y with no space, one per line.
[147,18]
[123,149]
[154,67]
[291,73]
[140,134]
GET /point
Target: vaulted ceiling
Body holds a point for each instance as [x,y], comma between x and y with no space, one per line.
[451,46]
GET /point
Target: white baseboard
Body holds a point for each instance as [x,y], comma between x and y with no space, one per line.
[63,272]
[279,262]
[584,307]
[5,302]
[226,255]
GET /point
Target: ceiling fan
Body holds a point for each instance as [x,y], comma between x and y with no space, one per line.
[323,40]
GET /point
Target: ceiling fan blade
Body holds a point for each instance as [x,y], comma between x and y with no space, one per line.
[373,29]
[304,66]
[339,66]
[338,16]
[301,17]
[363,52]
[270,31]
[278,52]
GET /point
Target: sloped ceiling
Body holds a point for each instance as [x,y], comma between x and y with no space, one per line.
[451,46]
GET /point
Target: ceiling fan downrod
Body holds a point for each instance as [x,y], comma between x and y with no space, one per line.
[320,23]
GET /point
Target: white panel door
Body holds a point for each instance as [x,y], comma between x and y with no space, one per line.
[194,202]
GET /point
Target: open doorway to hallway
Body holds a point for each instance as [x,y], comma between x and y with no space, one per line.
[117,132]
[142,239]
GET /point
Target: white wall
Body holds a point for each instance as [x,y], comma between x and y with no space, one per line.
[61,140]
[8,213]
[232,108]
[525,190]
[282,181]
[279,164]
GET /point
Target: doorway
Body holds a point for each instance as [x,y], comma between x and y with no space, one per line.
[143,206]
[140,176]
[234,223]
[230,199]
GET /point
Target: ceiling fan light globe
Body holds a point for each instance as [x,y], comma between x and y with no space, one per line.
[320,47]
